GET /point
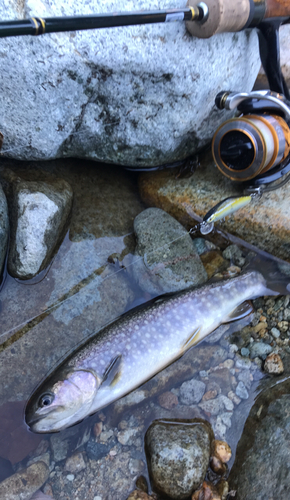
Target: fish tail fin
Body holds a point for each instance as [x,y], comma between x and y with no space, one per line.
[275,272]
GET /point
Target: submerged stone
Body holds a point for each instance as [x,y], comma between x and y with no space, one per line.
[166,260]
[261,469]
[178,456]
[24,483]
[38,212]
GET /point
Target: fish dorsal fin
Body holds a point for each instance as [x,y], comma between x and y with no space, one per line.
[192,339]
[113,371]
[239,312]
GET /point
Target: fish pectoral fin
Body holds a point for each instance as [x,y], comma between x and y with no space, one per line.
[239,312]
[112,372]
[192,339]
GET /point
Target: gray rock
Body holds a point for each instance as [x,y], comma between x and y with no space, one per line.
[203,245]
[95,451]
[38,214]
[241,391]
[24,483]
[178,457]
[166,260]
[217,405]
[4,228]
[191,392]
[235,255]
[117,94]
[245,352]
[275,332]
[260,350]
[261,470]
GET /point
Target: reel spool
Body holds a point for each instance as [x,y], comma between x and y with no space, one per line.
[252,144]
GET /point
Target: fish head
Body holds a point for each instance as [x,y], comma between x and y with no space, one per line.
[62,402]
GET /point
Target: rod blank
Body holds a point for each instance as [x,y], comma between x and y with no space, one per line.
[39,26]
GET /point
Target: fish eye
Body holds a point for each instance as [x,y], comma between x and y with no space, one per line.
[45,400]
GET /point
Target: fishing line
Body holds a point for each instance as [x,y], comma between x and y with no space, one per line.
[134,261]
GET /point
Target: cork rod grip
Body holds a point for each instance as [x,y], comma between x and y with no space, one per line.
[277,8]
[234,15]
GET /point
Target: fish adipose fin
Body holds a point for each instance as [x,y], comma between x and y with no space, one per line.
[112,372]
[239,312]
[192,339]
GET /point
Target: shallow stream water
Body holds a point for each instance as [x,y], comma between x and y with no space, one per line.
[88,284]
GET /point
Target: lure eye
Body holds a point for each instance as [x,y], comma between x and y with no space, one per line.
[45,400]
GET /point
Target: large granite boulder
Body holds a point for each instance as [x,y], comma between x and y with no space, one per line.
[139,95]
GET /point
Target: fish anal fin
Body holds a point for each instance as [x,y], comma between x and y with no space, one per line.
[113,371]
[239,312]
[192,339]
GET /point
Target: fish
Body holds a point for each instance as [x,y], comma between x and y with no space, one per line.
[132,349]
[222,209]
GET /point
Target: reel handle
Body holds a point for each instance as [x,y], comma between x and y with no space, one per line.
[235,15]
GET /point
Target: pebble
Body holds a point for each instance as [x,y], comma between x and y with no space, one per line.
[275,332]
[241,391]
[70,477]
[191,392]
[274,364]
[23,484]
[178,456]
[217,405]
[75,463]
[260,350]
[128,436]
[286,314]
[217,466]
[221,450]
[233,397]
[283,326]
[203,245]
[234,254]
[245,351]
[243,363]
[95,451]
[206,492]
[168,400]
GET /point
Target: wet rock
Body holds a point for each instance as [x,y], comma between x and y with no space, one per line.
[4,228]
[213,262]
[203,246]
[261,469]
[235,255]
[274,364]
[197,194]
[168,400]
[215,406]
[38,214]
[221,450]
[241,391]
[192,391]
[24,483]
[95,451]
[75,463]
[178,457]
[260,350]
[206,492]
[169,260]
[118,103]
[38,495]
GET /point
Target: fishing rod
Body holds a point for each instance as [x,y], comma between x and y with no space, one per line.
[203,19]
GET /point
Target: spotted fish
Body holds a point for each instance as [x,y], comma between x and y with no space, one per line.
[135,347]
